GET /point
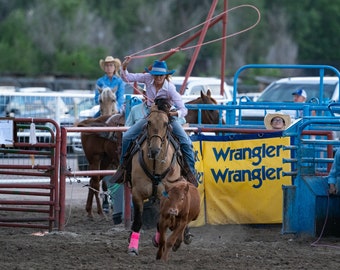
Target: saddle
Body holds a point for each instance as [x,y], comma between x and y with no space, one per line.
[116,120]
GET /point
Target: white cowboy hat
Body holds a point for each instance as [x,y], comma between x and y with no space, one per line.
[269,117]
[109,59]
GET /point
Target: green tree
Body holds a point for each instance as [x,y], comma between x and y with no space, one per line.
[18,53]
[68,37]
[315,25]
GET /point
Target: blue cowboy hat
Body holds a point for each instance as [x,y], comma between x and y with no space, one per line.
[160,68]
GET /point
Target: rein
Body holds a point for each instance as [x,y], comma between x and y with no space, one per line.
[157,178]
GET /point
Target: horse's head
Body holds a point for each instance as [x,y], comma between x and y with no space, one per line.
[207,99]
[157,130]
[208,116]
[107,100]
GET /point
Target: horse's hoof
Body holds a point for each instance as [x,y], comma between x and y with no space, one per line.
[90,217]
[154,242]
[103,217]
[175,247]
[133,252]
[188,238]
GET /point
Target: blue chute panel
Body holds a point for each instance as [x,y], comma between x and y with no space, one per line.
[307,208]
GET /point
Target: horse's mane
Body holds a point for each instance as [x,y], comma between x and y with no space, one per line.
[163,104]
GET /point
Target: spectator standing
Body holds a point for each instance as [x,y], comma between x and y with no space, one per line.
[111,79]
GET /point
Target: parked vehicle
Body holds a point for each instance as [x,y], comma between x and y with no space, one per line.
[72,97]
[280,91]
[5,90]
[35,106]
[46,105]
[253,96]
[34,90]
[84,109]
[195,85]
[130,88]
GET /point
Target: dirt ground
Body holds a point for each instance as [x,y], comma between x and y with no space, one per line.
[98,244]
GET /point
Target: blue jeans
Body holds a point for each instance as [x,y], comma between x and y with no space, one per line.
[185,142]
[97,114]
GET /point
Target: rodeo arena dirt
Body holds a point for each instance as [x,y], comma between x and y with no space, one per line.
[99,244]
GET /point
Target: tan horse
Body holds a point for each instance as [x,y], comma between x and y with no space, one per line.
[107,100]
[102,150]
[156,159]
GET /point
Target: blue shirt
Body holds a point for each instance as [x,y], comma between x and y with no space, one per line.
[105,81]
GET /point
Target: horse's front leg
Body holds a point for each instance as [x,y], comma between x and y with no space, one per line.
[92,193]
[136,226]
[89,200]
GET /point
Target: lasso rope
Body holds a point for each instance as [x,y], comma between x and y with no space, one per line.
[316,242]
[136,55]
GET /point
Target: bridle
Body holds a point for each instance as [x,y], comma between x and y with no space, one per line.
[156,135]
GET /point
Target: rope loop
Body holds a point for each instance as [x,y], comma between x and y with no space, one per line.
[138,54]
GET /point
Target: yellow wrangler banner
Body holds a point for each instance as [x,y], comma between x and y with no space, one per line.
[242,181]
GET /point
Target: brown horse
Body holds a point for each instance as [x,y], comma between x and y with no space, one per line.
[155,159]
[207,116]
[102,150]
